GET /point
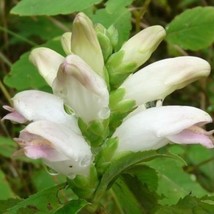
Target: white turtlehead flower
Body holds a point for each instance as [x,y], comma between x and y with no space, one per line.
[139,48]
[161,78]
[34,105]
[158,126]
[82,89]
[58,146]
[52,135]
[85,44]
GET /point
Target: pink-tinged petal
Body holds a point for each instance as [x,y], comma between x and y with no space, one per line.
[37,105]
[193,135]
[154,127]
[14,115]
[58,146]
[82,89]
[47,62]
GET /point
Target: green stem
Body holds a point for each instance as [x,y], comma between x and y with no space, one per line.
[5,60]
[5,92]
[116,201]
[18,36]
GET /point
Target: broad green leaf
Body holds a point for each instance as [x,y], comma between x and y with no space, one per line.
[6,191]
[43,180]
[40,27]
[112,5]
[121,19]
[118,166]
[7,146]
[188,205]
[72,207]
[24,75]
[51,7]
[146,198]
[46,201]
[126,199]
[146,175]
[174,183]
[6,204]
[193,29]
[201,163]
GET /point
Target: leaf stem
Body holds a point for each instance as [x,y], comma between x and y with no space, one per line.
[18,36]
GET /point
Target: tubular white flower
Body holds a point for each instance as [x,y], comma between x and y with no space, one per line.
[161,78]
[157,126]
[58,146]
[139,48]
[36,105]
[85,44]
[82,89]
[47,62]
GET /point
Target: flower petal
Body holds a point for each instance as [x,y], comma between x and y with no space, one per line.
[139,48]
[66,42]
[47,62]
[14,115]
[37,105]
[82,89]
[193,135]
[161,78]
[154,127]
[84,43]
[56,143]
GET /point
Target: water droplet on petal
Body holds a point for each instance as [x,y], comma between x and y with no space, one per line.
[51,171]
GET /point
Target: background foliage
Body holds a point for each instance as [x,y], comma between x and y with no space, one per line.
[167,185]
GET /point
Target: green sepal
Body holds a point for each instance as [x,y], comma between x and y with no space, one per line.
[95,132]
[83,186]
[104,157]
[118,70]
[120,108]
[105,45]
[113,36]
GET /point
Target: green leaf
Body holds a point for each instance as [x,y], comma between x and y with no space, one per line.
[174,183]
[192,29]
[7,146]
[112,5]
[6,191]
[46,201]
[188,205]
[51,7]
[119,165]
[24,75]
[40,27]
[121,19]
[6,204]
[72,207]
[127,201]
